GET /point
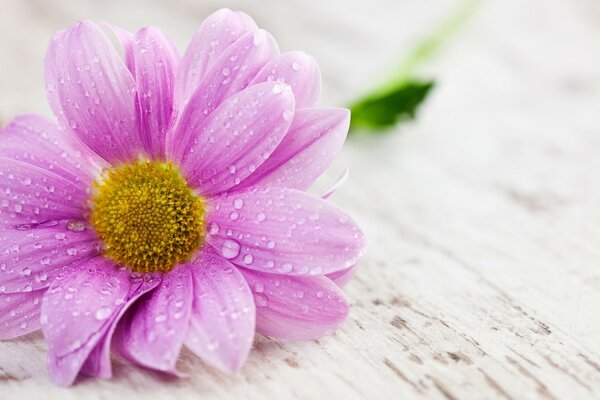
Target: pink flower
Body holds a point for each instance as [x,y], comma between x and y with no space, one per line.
[167,206]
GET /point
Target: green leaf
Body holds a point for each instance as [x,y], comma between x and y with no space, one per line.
[385,110]
[398,99]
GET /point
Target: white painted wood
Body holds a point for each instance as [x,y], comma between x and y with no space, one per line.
[482,278]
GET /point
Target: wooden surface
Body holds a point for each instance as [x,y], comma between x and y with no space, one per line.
[482,278]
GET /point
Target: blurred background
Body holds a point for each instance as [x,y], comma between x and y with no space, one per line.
[482,277]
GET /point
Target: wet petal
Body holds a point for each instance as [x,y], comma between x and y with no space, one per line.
[92,92]
[230,74]
[222,325]
[155,60]
[77,311]
[300,71]
[215,35]
[38,141]
[19,313]
[98,363]
[33,255]
[283,231]
[238,137]
[310,146]
[296,308]
[152,332]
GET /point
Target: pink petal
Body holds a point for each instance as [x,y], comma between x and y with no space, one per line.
[77,311]
[222,325]
[342,277]
[33,255]
[19,313]
[38,141]
[155,61]
[296,308]
[92,92]
[238,137]
[152,332]
[311,145]
[300,71]
[98,363]
[336,185]
[215,35]
[283,231]
[230,74]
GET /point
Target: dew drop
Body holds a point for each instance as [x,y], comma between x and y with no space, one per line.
[230,249]
[238,203]
[260,300]
[103,313]
[286,267]
[213,228]
[260,217]
[234,215]
[76,226]
[295,66]
[248,259]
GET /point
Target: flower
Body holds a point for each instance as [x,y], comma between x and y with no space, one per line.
[167,206]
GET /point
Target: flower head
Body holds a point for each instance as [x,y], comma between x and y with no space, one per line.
[167,206]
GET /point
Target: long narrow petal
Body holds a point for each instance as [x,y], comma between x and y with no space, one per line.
[300,71]
[98,363]
[222,324]
[77,311]
[230,74]
[152,332]
[312,143]
[30,194]
[92,92]
[36,140]
[19,313]
[215,35]
[296,308]
[283,231]
[238,137]
[33,255]
[155,61]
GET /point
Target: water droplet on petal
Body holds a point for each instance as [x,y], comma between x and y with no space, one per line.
[248,259]
[103,313]
[230,249]
[260,300]
[295,66]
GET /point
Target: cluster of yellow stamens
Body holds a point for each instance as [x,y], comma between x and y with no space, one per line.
[147,216]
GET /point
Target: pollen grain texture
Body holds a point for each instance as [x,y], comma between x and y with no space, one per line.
[147,216]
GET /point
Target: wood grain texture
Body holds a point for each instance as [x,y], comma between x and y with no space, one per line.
[482,278]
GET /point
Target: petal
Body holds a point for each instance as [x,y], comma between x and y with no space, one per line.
[33,255]
[283,231]
[215,35]
[38,141]
[152,332]
[98,363]
[155,60]
[230,74]
[296,308]
[92,92]
[342,277]
[308,149]
[300,71]
[238,137]
[19,313]
[30,194]
[77,311]
[336,185]
[222,324]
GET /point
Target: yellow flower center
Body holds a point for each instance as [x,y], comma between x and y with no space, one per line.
[147,216]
